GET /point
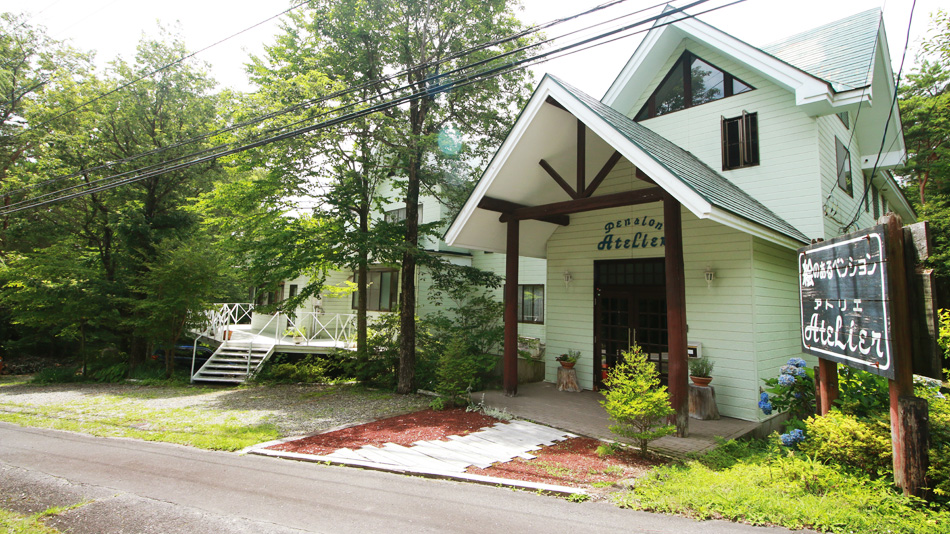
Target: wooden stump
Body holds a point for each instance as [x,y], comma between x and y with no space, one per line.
[567,380]
[702,403]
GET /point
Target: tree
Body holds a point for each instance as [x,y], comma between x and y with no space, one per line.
[636,401]
[401,47]
[925,112]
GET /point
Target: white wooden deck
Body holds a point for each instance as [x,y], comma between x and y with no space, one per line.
[243,333]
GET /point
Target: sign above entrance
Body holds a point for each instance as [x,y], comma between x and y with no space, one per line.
[617,238]
[845,313]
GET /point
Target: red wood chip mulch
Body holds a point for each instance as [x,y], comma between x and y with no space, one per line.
[403,430]
[572,462]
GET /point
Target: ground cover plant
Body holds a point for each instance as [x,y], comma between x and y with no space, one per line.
[14,523]
[759,483]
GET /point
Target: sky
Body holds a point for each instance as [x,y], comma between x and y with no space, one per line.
[113,27]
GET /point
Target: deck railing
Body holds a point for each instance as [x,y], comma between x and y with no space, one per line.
[236,321]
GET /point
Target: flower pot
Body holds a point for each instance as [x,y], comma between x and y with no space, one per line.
[567,365]
[701,380]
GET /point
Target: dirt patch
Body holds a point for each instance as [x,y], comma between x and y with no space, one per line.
[402,430]
[573,462]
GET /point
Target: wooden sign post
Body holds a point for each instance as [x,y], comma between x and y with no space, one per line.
[855,311]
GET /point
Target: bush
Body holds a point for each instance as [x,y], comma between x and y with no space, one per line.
[843,439]
[861,393]
[311,369]
[636,400]
[460,372]
[938,474]
[792,391]
[57,375]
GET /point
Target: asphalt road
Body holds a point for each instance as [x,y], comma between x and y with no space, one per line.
[140,487]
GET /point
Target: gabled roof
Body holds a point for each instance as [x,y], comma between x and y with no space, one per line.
[798,66]
[515,176]
[690,170]
[841,52]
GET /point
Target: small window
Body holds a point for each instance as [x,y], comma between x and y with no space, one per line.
[740,141]
[381,291]
[843,158]
[531,303]
[292,292]
[845,119]
[399,215]
[691,82]
[867,194]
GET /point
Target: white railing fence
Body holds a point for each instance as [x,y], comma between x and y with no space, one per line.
[237,322]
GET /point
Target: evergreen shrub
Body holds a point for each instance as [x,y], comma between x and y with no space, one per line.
[636,400]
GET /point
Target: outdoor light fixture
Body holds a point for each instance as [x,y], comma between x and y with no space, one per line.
[568,278]
[710,276]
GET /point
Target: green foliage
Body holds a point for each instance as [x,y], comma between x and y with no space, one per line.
[438,404]
[792,391]
[311,369]
[754,482]
[460,371]
[57,375]
[862,394]
[842,439]
[636,401]
[938,474]
[570,357]
[701,367]
[378,366]
[578,497]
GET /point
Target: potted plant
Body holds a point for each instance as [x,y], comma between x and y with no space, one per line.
[299,334]
[568,360]
[699,370]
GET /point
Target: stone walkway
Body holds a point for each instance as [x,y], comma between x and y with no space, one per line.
[495,444]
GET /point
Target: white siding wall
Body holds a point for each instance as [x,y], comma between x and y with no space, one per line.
[786,180]
[530,271]
[720,317]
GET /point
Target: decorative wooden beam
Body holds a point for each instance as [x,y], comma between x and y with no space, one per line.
[509,366]
[604,171]
[508,207]
[581,158]
[557,178]
[643,176]
[676,315]
[627,198]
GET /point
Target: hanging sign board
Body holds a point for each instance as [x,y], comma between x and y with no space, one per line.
[845,313]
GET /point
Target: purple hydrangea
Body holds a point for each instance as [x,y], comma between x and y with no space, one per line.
[793,438]
[786,380]
[797,362]
[765,404]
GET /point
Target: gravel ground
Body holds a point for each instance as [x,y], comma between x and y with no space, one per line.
[296,409]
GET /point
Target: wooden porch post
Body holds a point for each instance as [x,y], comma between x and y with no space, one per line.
[510,358]
[676,314]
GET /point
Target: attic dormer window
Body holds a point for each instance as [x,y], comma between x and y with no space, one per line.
[691,82]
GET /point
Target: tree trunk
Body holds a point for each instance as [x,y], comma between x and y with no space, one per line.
[361,297]
[407,298]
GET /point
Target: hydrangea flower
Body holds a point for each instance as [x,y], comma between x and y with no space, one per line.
[788,370]
[797,362]
[792,438]
[765,404]
[786,380]
[799,371]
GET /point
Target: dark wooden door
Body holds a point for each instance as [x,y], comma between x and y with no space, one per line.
[629,306]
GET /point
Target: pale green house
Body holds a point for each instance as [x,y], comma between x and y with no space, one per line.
[756,151]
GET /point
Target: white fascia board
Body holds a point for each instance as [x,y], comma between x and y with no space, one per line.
[501,156]
[889,160]
[634,154]
[727,218]
[808,89]
[899,196]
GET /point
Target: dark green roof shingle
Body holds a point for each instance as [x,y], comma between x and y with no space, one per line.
[709,184]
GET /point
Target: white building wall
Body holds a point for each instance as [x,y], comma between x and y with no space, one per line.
[530,271]
[720,316]
[787,179]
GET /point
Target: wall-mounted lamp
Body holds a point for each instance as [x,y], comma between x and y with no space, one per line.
[710,276]
[568,278]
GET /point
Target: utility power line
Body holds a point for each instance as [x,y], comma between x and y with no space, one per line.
[467,80]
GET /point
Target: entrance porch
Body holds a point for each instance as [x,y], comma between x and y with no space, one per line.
[581,413]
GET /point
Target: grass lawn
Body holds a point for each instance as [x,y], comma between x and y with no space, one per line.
[226,419]
[14,523]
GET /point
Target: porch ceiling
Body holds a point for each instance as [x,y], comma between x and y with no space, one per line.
[547,130]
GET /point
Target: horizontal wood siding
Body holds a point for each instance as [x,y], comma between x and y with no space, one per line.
[719,317]
[787,179]
[777,314]
[530,271]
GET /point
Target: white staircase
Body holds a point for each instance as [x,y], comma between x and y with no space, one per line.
[234,362]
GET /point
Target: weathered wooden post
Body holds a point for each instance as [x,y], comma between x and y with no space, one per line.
[509,375]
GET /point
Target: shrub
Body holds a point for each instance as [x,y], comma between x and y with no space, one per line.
[701,366]
[938,474]
[845,440]
[861,393]
[460,371]
[792,391]
[56,375]
[311,369]
[636,400]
